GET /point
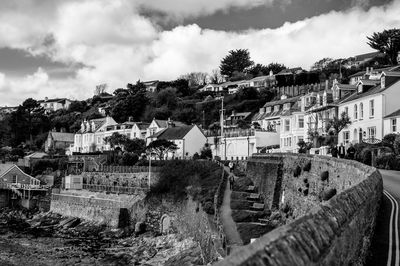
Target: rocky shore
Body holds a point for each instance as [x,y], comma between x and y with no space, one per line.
[34,238]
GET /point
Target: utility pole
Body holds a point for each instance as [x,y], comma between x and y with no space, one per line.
[222,123]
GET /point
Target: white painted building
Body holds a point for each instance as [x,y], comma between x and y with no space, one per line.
[139,130]
[368,106]
[55,104]
[157,125]
[391,123]
[90,137]
[241,144]
[188,139]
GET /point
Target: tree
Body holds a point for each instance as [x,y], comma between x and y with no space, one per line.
[321,64]
[31,108]
[137,146]
[115,140]
[387,42]
[276,67]
[161,147]
[195,79]
[216,76]
[237,60]
[206,152]
[258,70]
[335,125]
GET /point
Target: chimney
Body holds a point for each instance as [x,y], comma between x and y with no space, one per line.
[170,123]
[271,73]
[62,130]
[46,99]
[284,97]
[130,119]
[262,110]
[233,112]
[367,71]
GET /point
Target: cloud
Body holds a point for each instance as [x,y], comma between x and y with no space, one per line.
[113,43]
[179,9]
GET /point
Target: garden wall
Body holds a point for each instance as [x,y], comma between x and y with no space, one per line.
[324,228]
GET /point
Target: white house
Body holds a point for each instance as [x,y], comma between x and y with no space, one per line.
[241,144]
[90,137]
[188,139]
[157,125]
[367,107]
[391,123]
[292,128]
[212,88]
[139,130]
[55,104]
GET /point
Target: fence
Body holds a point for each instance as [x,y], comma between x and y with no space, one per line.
[126,169]
[114,189]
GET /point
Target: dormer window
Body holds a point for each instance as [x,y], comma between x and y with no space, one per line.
[276,108]
[286,106]
[360,88]
[268,110]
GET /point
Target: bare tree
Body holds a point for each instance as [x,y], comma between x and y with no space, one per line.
[195,79]
[101,88]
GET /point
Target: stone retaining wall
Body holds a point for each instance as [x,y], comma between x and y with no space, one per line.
[323,229]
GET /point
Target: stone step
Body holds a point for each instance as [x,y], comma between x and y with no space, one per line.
[255,197]
[241,204]
[248,231]
[247,215]
[257,206]
[240,195]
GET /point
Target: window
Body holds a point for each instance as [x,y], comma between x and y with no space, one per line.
[372,132]
[286,106]
[355,111]
[346,137]
[301,122]
[276,108]
[268,110]
[361,111]
[346,110]
[14,179]
[371,109]
[287,124]
[393,123]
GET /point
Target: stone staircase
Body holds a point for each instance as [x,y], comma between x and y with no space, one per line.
[249,213]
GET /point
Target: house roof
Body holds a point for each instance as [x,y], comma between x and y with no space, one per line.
[5,167]
[36,155]
[98,122]
[346,86]
[262,78]
[64,137]
[142,125]
[244,114]
[279,102]
[290,71]
[394,114]
[370,82]
[392,73]
[173,133]
[362,73]
[55,100]
[373,90]
[164,123]
[150,82]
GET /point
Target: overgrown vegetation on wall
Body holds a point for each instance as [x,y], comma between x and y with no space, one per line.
[198,179]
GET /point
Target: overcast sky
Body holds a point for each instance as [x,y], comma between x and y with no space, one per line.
[63,48]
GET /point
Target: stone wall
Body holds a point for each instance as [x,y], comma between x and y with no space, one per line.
[325,228]
[97,207]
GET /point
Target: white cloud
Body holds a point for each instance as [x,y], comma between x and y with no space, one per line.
[117,45]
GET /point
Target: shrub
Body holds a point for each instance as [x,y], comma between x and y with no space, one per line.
[385,161]
[307,166]
[297,171]
[324,175]
[305,192]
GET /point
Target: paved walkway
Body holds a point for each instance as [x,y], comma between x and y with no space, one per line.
[232,235]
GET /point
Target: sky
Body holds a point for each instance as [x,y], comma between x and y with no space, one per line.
[64,48]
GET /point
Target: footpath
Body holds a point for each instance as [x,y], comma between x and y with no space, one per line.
[232,235]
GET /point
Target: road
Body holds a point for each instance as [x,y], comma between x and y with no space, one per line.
[385,247]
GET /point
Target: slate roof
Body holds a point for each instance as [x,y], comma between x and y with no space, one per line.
[280,102]
[55,100]
[37,155]
[280,112]
[4,167]
[63,137]
[142,125]
[373,90]
[347,86]
[261,78]
[369,82]
[164,123]
[394,114]
[173,133]
[98,122]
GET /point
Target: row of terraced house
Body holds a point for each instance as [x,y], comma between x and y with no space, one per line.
[370,100]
